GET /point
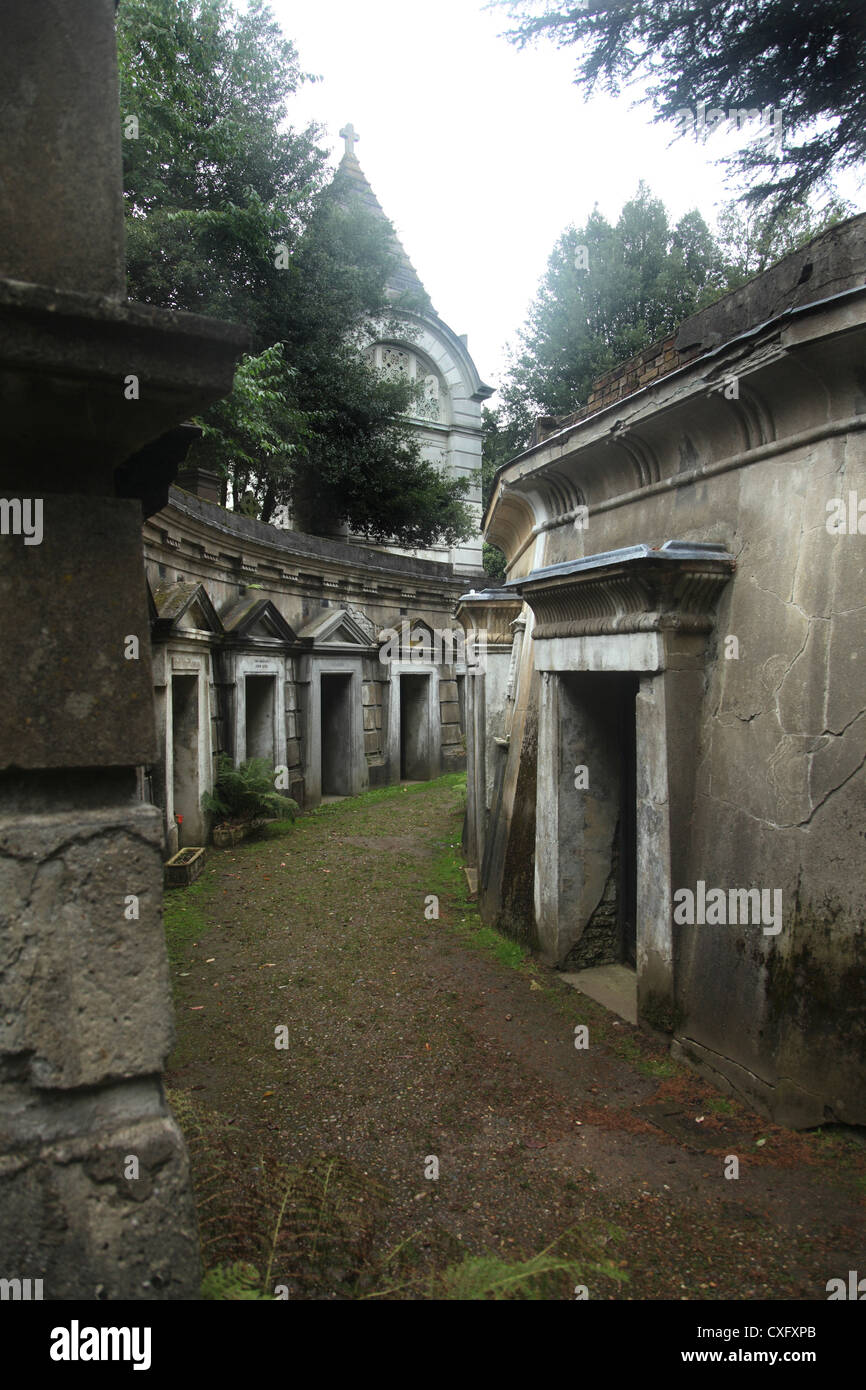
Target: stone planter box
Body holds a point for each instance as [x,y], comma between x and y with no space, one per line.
[224,836]
[184,867]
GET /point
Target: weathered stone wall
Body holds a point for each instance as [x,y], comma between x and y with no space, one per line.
[746,447]
[451,736]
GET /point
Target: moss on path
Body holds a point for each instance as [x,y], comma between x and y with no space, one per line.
[411,1038]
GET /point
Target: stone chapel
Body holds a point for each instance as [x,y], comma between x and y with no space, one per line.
[447,419]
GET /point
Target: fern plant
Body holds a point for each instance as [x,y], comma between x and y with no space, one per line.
[243,792]
[233,1282]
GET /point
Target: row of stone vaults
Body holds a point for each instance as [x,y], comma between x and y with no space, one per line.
[272,644]
[666,755]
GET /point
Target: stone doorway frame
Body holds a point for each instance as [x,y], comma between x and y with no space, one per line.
[195,666]
[312,679]
[395,733]
[252,663]
[644,612]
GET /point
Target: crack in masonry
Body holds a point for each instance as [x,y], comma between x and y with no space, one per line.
[773,1085]
[736,806]
[685,1038]
[80,838]
[787,602]
[832,792]
[799,555]
[845,727]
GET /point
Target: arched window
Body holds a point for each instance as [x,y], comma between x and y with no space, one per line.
[397,364]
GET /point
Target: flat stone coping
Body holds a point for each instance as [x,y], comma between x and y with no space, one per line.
[685,551]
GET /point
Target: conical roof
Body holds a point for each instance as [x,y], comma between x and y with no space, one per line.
[351,181]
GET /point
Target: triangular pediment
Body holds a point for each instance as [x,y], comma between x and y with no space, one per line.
[337,627]
[257,620]
[184,608]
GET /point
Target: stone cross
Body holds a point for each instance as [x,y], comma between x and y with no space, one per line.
[351,138]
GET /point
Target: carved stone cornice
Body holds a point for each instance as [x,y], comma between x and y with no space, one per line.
[636,589]
[491,611]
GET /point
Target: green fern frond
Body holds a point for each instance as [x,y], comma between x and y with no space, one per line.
[233,1282]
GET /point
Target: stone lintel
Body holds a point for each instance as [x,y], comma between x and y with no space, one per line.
[87,381]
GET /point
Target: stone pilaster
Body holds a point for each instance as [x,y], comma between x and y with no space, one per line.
[94,1189]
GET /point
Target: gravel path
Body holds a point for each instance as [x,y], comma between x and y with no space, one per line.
[410,1038]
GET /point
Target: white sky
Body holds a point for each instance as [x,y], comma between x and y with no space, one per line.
[481,154]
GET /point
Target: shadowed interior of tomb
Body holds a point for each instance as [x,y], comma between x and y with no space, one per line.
[184,728]
[415,728]
[597,732]
[336,701]
[461,703]
[260,692]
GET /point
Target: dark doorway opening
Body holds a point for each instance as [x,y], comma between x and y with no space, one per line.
[461,703]
[336,710]
[627,894]
[415,728]
[184,733]
[599,814]
[260,693]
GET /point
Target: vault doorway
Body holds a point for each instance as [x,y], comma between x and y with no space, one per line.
[336,726]
[260,695]
[415,728]
[186,791]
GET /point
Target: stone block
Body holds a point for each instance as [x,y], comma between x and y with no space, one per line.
[447,691]
[84,992]
[293,753]
[371,742]
[68,609]
[450,713]
[451,733]
[371,693]
[75,1221]
[61,219]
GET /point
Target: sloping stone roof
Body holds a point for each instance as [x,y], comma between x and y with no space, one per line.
[351,181]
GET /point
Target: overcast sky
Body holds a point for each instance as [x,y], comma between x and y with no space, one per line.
[481,154]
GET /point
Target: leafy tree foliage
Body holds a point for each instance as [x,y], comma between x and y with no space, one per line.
[230,213]
[642,277]
[804,57]
[608,292]
[751,241]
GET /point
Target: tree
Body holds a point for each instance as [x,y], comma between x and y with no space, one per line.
[251,436]
[212,184]
[804,58]
[751,241]
[229,212]
[608,292]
